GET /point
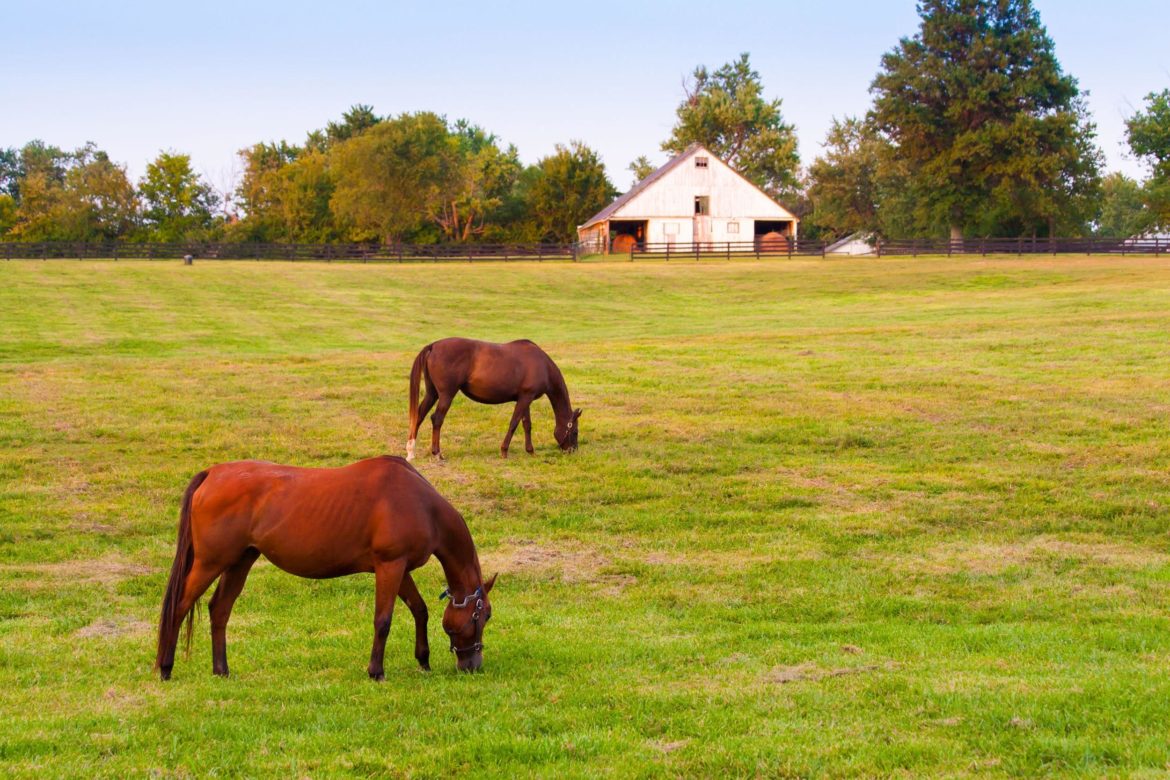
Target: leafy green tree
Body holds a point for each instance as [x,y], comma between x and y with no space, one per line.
[1123,210]
[641,167]
[993,134]
[488,175]
[10,173]
[726,112]
[259,191]
[843,182]
[357,120]
[99,202]
[394,176]
[1148,133]
[571,186]
[177,203]
[7,214]
[304,189]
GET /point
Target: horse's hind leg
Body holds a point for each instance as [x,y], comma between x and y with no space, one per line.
[387,582]
[519,413]
[424,406]
[418,608]
[437,421]
[198,580]
[528,431]
[231,582]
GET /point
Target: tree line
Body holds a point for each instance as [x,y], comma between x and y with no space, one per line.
[974,130]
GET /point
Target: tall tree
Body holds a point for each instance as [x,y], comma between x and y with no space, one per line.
[395,175]
[570,187]
[177,203]
[1123,211]
[992,131]
[725,110]
[259,190]
[488,175]
[843,182]
[1148,132]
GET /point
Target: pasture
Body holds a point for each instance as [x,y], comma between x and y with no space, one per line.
[828,518]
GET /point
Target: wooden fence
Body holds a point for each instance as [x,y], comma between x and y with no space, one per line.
[362,253]
[475,252]
[905,248]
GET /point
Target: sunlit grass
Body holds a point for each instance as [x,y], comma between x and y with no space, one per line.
[828,518]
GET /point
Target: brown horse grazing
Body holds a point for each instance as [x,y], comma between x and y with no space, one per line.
[377,515]
[489,373]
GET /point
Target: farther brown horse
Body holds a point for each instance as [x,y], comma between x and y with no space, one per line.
[377,515]
[490,373]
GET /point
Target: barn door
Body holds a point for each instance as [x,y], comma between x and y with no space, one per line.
[703,229]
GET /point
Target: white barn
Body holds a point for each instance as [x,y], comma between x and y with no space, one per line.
[694,198]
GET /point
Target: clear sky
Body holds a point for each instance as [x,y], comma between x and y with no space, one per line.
[208,78]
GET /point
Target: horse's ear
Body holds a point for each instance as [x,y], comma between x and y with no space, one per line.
[487,586]
[576,413]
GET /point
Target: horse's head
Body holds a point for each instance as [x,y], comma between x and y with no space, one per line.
[567,436]
[463,620]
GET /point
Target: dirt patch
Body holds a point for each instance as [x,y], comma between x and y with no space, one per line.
[782,675]
[114,627]
[570,563]
[101,571]
[670,747]
[987,559]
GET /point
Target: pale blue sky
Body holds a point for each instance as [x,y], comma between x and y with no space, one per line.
[211,77]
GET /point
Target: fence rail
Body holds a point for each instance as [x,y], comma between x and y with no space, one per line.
[768,248]
[904,247]
[256,251]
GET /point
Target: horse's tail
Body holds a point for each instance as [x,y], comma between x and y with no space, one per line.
[184,559]
[416,373]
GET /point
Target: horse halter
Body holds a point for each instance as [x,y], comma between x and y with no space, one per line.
[478,596]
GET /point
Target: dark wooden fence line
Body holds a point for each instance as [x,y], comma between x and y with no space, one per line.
[366,253]
[402,253]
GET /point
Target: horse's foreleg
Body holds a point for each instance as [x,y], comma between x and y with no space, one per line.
[231,582]
[528,431]
[437,421]
[425,406]
[418,608]
[387,582]
[518,414]
[198,580]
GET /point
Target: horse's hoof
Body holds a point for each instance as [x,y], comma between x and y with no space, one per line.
[503,453]
[164,673]
[377,676]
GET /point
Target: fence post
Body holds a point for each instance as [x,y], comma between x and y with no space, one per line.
[878,244]
[728,250]
[696,251]
[668,251]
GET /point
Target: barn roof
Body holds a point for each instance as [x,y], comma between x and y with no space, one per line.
[612,208]
[643,185]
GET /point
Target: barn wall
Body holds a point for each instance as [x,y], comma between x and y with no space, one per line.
[674,195]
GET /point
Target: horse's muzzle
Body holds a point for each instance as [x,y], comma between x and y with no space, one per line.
[472,663]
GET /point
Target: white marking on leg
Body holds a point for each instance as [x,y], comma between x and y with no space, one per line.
[410,449]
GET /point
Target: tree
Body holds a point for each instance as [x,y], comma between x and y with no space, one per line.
[303,191]
[357,120]
[570,186]
[1123,211]
[99,202]
[843,182]
[7,213]
[488,175]
[993,134]
[726,112]
[259,190]
[1148,133]
[178,204]
[394,176]
[641,167]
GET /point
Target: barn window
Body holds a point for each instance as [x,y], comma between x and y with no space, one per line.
[702,204]
[732,227]
[700,162]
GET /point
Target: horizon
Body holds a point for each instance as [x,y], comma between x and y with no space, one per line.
[272,74]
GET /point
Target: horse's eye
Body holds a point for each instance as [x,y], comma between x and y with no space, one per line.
[570,425]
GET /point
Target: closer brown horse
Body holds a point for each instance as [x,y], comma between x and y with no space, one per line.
[377,515]
[489,373]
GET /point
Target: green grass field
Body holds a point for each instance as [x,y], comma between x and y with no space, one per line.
[844,518]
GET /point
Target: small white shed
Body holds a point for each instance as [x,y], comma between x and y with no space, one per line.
[696,198]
